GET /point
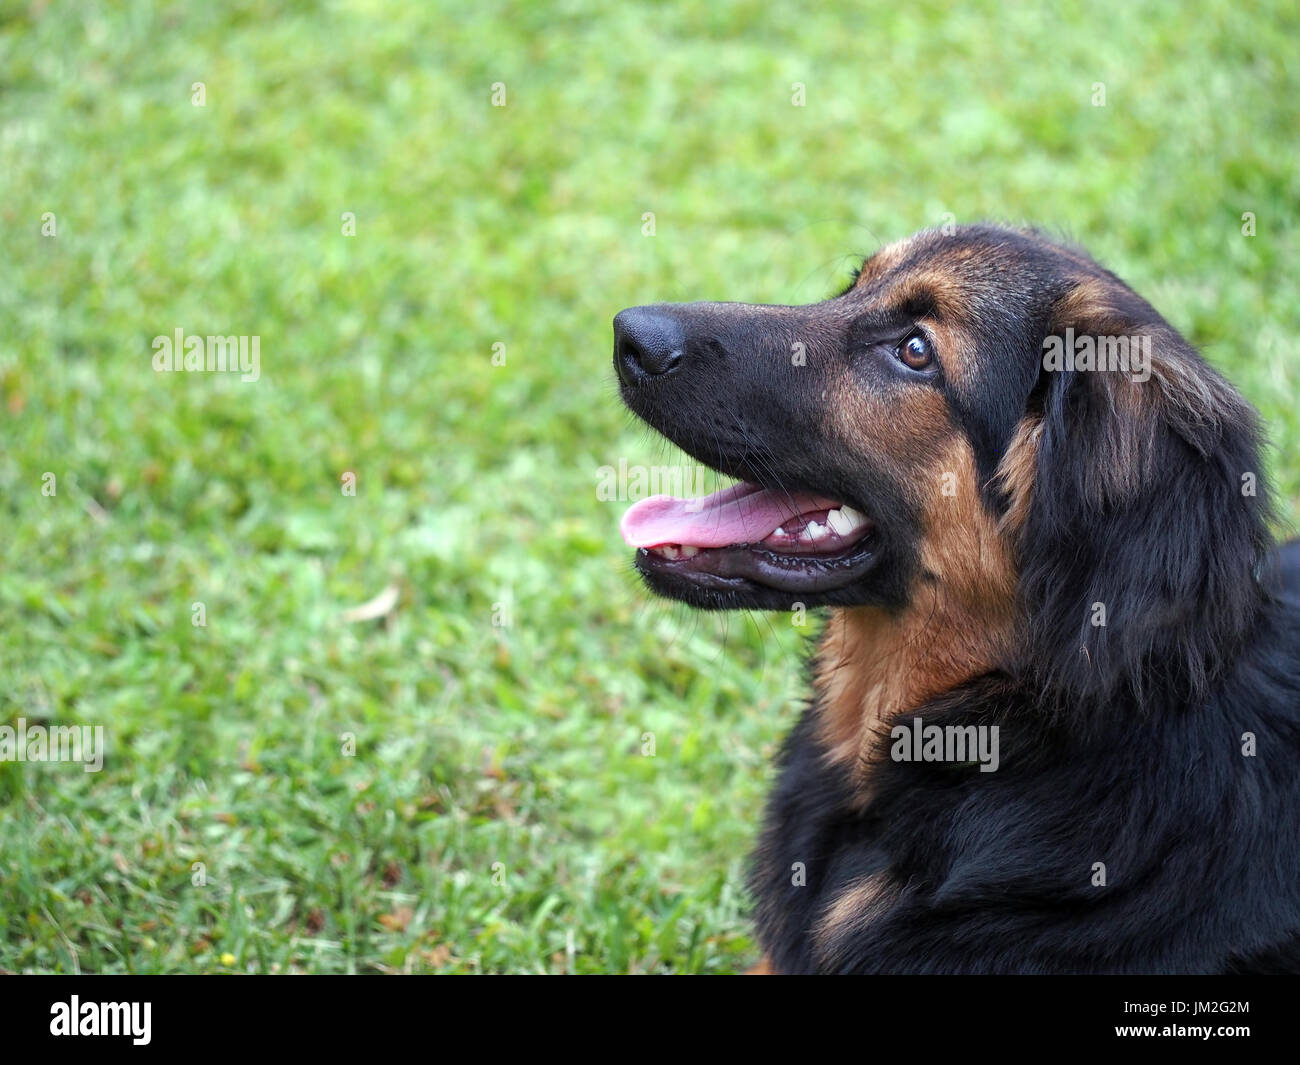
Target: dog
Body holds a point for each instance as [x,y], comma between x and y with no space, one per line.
[1055,712]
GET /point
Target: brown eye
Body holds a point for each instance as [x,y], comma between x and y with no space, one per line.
[915,352]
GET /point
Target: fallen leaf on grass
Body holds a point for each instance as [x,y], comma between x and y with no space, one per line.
[380,606]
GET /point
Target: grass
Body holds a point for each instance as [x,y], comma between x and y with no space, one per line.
[499,812]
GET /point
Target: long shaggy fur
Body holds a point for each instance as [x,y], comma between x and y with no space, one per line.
[1143,671]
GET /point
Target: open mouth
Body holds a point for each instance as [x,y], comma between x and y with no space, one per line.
[750,535]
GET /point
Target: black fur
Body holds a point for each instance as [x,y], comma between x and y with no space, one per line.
[1121,744]
[993,872]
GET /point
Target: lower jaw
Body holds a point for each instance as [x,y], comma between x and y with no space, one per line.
[752,572]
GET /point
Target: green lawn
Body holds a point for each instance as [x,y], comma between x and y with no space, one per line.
[498,812]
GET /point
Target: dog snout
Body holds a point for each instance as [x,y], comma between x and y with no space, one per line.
[647,343]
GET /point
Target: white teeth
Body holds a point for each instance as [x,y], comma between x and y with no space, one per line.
[815,531]
[667,551]
[779,531]
[689,552]
[845,520]
[840,522]
[675,551]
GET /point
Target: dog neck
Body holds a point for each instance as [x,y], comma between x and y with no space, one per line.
[873,667]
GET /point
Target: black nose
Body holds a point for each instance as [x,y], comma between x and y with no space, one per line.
[647,343]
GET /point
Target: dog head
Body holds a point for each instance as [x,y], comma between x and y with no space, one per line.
[986,420]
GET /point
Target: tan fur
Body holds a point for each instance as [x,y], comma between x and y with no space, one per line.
[953,348]
[886,260]
[854,908]
[873,665]
[1016,471]
[859,415]
[1091,300]
[946,293]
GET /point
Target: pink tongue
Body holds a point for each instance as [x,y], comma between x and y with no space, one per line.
[741,514]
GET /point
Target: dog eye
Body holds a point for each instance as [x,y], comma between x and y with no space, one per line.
[915,352]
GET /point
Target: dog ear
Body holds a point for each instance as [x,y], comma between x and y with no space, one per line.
[1141,516]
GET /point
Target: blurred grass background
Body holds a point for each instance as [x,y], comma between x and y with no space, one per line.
[499,813]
